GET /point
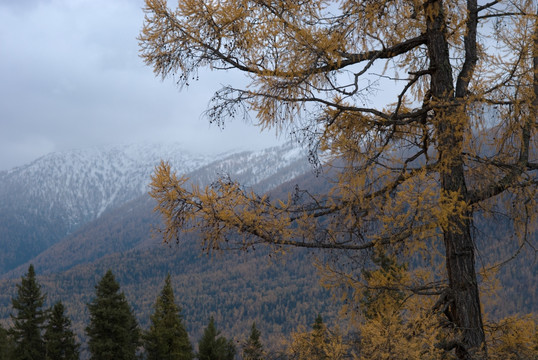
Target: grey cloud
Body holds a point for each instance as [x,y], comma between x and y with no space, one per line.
[70,76]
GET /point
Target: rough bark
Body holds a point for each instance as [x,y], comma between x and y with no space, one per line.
[464,307]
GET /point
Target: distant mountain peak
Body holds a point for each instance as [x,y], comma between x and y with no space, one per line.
[45,200]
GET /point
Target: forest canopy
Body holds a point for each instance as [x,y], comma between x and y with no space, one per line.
[451,145]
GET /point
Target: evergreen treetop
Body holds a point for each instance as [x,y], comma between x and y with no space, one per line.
[113,330]
[29,319]
[253,348]
[167,338]
[212,347]
[60,342]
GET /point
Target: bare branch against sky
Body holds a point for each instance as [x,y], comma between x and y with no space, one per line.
[70,77]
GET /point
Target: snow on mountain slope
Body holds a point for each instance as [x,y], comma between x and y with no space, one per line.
[79,185]
[263,170]
[42,202]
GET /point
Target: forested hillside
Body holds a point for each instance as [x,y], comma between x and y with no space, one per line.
[280,292]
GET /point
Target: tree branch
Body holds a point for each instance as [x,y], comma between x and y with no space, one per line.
[522,163]
[471,57]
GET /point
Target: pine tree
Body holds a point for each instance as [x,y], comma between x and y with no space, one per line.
[60,342]
[253,348]
[212,347]
[167,338]
[28,322]
[113,331]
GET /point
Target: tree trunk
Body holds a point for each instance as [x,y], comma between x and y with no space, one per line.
[450,123]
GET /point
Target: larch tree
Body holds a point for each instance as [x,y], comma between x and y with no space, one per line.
[113,330]
[396,327]
[319,344]
[425,109]
[29,320]
[167,338]
[60,340]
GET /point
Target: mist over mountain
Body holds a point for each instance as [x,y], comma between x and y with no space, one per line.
[79,185]
[52,197]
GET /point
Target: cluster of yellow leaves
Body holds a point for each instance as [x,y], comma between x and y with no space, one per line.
[218,210]
[513,338]
[320,343]
[386,336]
[391,321]
[408,332]
[411,327]
[396,324]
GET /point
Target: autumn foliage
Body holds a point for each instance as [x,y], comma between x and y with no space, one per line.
[424,115]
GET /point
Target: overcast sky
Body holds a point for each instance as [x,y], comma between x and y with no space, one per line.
[70,77]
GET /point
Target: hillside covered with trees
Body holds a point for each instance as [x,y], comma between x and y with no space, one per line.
[112,330]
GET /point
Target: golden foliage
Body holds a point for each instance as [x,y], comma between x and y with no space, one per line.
[411,169]
[320,343]
[513,338]
[397,323]
[410,331]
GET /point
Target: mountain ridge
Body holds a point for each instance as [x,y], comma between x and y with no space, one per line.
[48,199]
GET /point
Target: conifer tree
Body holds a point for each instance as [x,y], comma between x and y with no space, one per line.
[387,274]
[318,337]
[215,347]
[253,348]
[6,345]
[113,331]
[60,342]
[167,338]
[28,322]
[398,326]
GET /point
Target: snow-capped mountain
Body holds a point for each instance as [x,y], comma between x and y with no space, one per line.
[264,169]
[43,201]
[80,185]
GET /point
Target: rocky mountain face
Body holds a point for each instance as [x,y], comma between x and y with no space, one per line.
[52,197]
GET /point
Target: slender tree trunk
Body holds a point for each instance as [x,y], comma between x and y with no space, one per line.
[463,301]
